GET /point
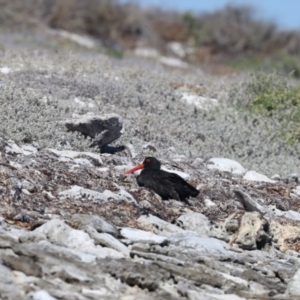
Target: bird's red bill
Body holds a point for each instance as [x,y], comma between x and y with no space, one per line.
[138,167]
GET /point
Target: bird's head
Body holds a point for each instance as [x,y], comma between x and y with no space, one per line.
[149,163]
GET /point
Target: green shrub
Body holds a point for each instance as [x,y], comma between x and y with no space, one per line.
[270,95]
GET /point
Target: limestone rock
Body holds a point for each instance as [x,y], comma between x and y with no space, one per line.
[249,203]
[23,264]
[136,235]
[196,222]
[40,295]
[254,176]
[159,226]
[94,158]
[253,232]
[249,230]
[226,165]
[286,237]
[78,192]
[59,232]
[99,224]
[293,287]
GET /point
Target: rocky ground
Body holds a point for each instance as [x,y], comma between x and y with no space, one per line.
[73,226]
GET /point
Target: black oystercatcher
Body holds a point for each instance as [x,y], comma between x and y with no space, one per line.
[165,184]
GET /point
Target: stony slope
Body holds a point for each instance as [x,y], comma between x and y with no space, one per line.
[75,227]
[45,84]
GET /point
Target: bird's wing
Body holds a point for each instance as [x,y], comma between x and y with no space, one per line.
[159,182]
[182,188]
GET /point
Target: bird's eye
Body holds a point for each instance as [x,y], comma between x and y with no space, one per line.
[148,160]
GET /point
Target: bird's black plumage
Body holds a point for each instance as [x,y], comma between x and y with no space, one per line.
[165,184]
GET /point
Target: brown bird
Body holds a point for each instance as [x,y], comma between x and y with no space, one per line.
[167,185]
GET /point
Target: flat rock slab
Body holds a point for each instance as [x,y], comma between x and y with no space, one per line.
[93,157]
[57,231]
[189,240]
[158,225]
[99,224]
[137,235]
[255,176]
[78,192]
[226,165]
[195,222]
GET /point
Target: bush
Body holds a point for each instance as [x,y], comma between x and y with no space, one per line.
[270,95]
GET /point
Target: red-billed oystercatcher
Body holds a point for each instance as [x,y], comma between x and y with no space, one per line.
[165,184]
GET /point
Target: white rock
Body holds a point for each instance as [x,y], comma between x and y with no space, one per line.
[178,157]
[242,283]
[71,272]
[226,297]
[173,62]
[211,246]
[12,148]
[195,222]
[12,233]
[26,192]
[49,194]
[40,295]
[79,102]
[5,70]
[28,149]
[81,40]
[96,293]
[28,185]
[137,235]
[226,165]
[145,204]
[181,174]
[67,159]
[199,295]
[83,162]
[199,101]
[276,177]
[293,287]
[177,49]
[15,165]
[297,190]
[81,255]
[107,240]
[78,192]
[290,214]
[76,154]
[124,195]
[158,225]
[147,52]
[104,169]
[58,232]
[254,176]
[20,278]
[209,203]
